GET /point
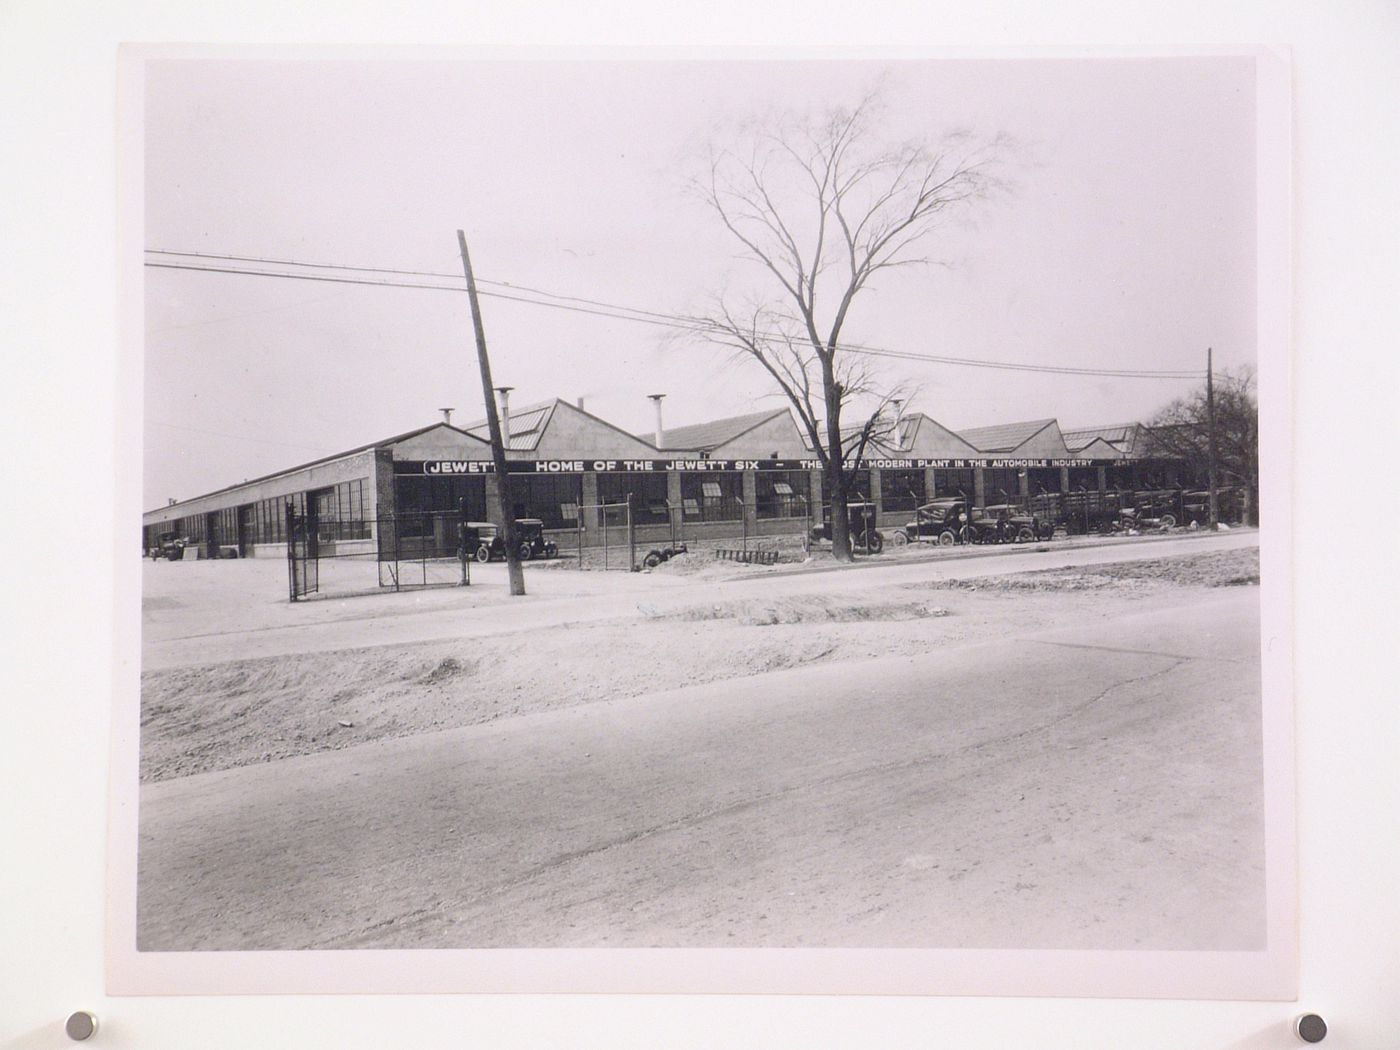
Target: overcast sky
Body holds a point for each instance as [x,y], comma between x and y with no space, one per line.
[1127,239]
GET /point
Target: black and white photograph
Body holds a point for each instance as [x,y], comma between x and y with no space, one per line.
[796,505]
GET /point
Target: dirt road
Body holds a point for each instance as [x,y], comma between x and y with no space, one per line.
[1088,787]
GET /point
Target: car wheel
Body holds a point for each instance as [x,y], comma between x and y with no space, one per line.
[483,554]
[875,543]
[1168,521]
[525,551]
[551,550]
[946,538]
[900,538]
[652,560]
[1025,534]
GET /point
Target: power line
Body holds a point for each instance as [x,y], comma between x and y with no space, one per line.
[615,312]
[421,273]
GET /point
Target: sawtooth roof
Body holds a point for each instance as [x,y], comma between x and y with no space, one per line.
[527,426]
[705,436]
[1004,437]
[1119,435]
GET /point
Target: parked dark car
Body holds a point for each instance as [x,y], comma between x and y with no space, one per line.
[1196,505]
[861,524]
[169,546]
[1155,509]
[943,521]
[529,533]
[491,542]
[1090,511]
[1003,523]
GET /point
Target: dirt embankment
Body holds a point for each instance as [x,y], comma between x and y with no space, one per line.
[196,719]
[1217,569]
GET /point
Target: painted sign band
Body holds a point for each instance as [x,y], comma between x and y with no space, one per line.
[472,467]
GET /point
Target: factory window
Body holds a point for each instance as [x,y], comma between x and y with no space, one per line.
[901,490]
[714,496]
[1083,479]
[783,493]
[1043,480]
[417,499]
[948,483]
[553,498]
[1003,484]
[647,490]
[858,488]
[1123,477]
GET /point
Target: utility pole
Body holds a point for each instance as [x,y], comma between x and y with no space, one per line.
[493,424]
[1210,424]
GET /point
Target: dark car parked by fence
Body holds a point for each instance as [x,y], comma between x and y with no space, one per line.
[490,541]
[860,517]
[942,521]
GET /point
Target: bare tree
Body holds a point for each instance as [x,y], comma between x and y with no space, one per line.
[1180,431]
[822,209]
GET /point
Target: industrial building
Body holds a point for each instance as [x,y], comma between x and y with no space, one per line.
[756,472]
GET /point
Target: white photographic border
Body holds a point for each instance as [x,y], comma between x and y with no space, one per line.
[1270,974]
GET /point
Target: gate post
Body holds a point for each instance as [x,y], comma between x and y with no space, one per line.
[631,537]
[291,553]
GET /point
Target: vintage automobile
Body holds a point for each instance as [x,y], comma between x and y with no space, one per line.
[1195,505]
[1090,511]
[942,522]
[1003,523]
[529,533]
[169,546]
[1154,509]
[860,517]
[487,543]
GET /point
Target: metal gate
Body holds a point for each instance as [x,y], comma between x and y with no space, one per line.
[613,542]
[303,575]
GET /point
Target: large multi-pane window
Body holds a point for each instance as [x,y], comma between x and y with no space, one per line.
[1083,479]
[901,489]
[1162,476]
[342,511]
[1003,484]
[270,520]
[647,490]
[1120,477]
[859,488]
[783,493]
[352,499]
[948,483]
[1043,480]
[713,496]
[553,498]
[418,497]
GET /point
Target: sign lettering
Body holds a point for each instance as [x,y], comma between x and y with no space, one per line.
[471,467]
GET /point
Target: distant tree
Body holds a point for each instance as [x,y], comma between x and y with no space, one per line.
[822,209]
[1181,431]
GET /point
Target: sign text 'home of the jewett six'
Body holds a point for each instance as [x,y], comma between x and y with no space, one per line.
[449,467]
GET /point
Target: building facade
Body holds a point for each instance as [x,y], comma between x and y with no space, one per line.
[754,474]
